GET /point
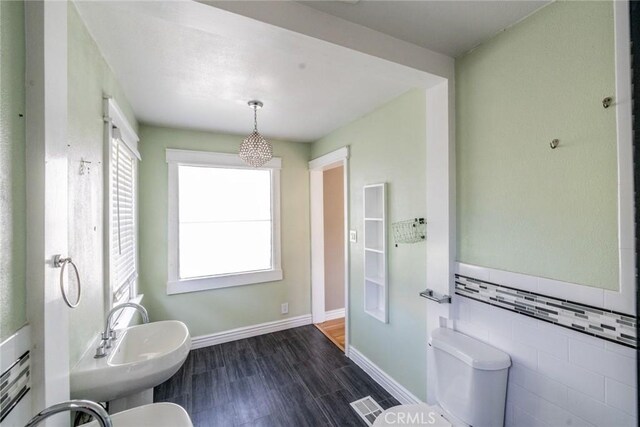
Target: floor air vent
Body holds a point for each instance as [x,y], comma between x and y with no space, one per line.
[367,408]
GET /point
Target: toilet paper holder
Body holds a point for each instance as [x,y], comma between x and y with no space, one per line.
[434,296]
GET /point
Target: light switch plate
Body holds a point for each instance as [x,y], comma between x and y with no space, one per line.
[353,236]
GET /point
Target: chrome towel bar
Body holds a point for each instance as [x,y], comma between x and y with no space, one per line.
[434,296]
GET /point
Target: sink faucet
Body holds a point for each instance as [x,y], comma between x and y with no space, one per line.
[109,334]
[86,406]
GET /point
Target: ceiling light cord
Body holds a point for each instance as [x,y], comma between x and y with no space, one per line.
[255,118]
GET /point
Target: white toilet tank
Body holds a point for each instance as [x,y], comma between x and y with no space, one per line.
[471,378]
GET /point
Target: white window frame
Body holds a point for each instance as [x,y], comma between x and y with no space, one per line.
[175,285]
[115,119]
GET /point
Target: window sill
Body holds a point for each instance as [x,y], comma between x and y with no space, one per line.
[125,319]
[218,282]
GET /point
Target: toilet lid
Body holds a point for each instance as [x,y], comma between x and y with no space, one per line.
[412,415]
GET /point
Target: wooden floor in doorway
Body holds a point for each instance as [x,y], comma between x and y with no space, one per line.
[334,330]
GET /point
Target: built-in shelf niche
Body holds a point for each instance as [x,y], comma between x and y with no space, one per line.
[373,234]
[375,252]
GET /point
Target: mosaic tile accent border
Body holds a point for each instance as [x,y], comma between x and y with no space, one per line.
[598,322]
[14,384]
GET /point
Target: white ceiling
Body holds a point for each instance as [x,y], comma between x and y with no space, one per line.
[189,65]
[451,27]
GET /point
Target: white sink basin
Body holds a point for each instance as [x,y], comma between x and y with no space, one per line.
[142,357]
[157,415]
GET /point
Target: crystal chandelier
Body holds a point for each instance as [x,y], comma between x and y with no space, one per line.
[255,150]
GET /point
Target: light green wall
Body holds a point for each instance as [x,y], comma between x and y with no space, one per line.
[89,79]
[388,145]
[12,169]
[521,206]
[211,311]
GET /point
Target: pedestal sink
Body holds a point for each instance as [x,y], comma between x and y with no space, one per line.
[142,357]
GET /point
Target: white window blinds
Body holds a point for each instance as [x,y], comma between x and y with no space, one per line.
[123,217]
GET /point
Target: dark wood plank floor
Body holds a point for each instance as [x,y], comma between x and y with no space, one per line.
[295,377]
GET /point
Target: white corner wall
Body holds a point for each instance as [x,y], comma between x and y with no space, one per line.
[559,377]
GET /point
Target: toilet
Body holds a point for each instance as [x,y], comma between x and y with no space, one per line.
[471,385]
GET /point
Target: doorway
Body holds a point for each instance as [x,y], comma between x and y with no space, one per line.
[333,219]
[329,253]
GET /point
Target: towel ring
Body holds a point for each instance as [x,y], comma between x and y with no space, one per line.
[60,262]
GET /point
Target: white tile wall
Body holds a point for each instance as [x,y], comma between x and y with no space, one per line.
[499,290]
[544,412]
[621,396]
[591,357]
[598,412]
[622,301]
[526,420]
[559,377]
[571,375]
[543,386]
[551,343]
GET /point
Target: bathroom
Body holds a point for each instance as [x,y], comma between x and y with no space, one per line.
[485,151]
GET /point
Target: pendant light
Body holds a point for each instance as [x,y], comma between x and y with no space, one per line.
[255,150]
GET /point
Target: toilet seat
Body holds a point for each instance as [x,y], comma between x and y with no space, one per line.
[423,414]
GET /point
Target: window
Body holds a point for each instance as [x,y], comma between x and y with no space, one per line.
[121,239]
[223,221]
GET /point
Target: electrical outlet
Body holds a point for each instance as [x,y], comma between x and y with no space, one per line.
[284,308]
[353,236]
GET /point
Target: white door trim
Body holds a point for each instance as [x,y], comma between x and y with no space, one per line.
[317,246]
[47,208]
[441,214]
[624,298]
[339,157]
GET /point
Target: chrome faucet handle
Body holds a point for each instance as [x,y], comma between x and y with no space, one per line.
[113,335]
[101,351]
[106,340]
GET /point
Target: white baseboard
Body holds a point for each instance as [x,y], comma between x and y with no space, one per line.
[334,314]
[249,331]
[394,388]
